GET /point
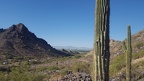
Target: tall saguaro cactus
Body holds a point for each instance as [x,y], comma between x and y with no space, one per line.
[128,55]
[101,42]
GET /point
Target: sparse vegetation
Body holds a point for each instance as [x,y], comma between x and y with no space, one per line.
[138,45]
[80,66]
[117,64]
[77,56]
[50,68]
[138,55]
[20,73]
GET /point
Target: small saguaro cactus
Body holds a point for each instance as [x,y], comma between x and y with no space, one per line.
[128,55]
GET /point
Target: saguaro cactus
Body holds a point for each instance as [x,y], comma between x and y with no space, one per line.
[101,41]
[128,55]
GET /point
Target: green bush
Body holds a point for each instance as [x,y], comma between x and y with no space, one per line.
[41,69]
[64,71]
[19,74]
[38,77]
[77,56]
[3,76]
[52,68]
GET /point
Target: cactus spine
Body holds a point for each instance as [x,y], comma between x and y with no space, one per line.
[101,41]
[128,55]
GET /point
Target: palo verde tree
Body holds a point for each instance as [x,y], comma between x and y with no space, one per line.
[101,41]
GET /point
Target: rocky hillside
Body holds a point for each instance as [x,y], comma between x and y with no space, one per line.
[116,47]
[118,60]
[18,40]
[138,41]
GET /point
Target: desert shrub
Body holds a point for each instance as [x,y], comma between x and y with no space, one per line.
[3,76]
[52,68]
[19,74]
[4,69]
[117,64]
[138,55]
[139,45]
[49,61]
[34,62]
[19,58]
[41,68]
[64,71]
[81,66]
[64,58]
[138,70]
[38,77]
[77,56]
[9,56]
[139,65]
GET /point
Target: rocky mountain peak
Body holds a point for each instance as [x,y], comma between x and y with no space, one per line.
[19,28]
[18,40]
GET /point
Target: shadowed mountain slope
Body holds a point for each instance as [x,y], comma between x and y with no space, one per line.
[18,40]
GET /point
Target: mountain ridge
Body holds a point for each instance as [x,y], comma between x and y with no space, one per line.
[18,40]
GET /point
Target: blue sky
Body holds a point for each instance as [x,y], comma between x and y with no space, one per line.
[70,22]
